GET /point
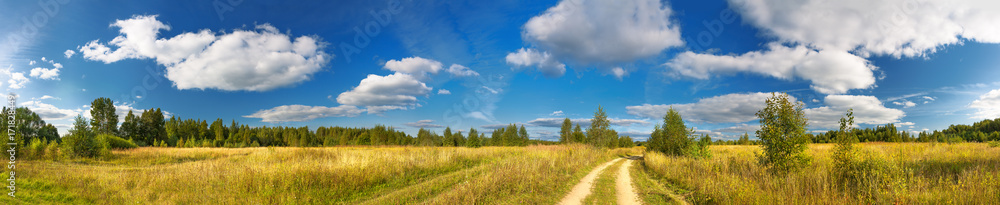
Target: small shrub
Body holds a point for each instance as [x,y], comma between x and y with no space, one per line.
[699,149]
[206,143]
[115,142]
[35,149]
[869,176]
[954,139]
[994,143]
[83,144]
[52,150]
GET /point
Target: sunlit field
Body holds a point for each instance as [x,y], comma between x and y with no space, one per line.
[902,173]
[341,175]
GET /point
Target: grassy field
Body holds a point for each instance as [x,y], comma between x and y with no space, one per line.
[341,175]
[910,173]
[906,173]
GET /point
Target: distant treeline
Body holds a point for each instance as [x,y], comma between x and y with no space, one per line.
[150,129]
[982,131]
[198,133]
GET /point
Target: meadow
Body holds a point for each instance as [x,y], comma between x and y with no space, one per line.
[332,175]
[897,173]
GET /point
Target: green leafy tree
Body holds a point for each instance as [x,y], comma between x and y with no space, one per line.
[130,127]
[82,141]
[598,134]
[744,140]
[104,119]
[458,138]
[474,139]
[219,132]
[626,142]
[844,153]
[673,137]
[782,134]
[449,141]
[152,127]
[566,132]
[578,135]
[28,126]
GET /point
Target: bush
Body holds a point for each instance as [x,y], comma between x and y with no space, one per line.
[84,144]
[699,149]
[52,150]
[869,176]
[35,149]
[994,143]
[115,142]
[673,138]
[954,139]
[782,134]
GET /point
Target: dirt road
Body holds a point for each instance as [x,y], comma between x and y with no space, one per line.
[623,185]
[582,189]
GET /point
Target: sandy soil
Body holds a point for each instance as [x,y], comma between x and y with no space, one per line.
[582,189]
[623,185]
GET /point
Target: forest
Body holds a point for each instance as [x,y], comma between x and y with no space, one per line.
[150,128]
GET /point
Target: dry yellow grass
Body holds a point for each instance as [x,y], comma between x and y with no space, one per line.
[933,173]
[341,175]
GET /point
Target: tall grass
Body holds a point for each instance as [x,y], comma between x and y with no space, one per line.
[907,173]
[341,175]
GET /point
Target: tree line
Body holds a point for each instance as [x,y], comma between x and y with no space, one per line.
[599,133]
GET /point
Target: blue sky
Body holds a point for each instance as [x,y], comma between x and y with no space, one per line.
[409,64]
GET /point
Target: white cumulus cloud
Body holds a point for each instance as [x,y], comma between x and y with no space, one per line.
[461,71]
[423,124]
[557,113]
[604,31]
[867,110]
[729,108]
[380,93]
[584,122]
[905,103]
[253,60]
[50,112]
[415,66]
[988,105]
[45,73]
[299,113]
[831,72]
[887,27]
[444,92]
[545,62]
[69,53]
[740,129]
[15,80]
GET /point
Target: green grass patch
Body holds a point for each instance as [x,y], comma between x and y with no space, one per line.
[604,191]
